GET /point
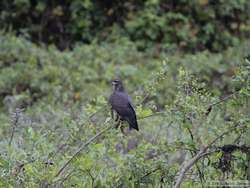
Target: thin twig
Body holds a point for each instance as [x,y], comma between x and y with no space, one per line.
[151,172]
[144,98]
[81,148]
[193,153]
[15,119]
[225,98]
[220,101]
[191,134]
[199,155]
[92,178]
[64,179]
[151,115]
[21,166]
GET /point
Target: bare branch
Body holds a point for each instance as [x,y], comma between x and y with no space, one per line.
[151,172]
[188,166]
[81,148]
[225,98]
[151,115]
[64,179]
[220,101]
[14,119]
[203,152]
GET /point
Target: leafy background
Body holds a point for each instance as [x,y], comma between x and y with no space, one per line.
[184,63]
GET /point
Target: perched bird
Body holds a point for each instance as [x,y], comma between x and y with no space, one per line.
[121,103]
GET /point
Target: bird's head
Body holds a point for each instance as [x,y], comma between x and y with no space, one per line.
[117,85]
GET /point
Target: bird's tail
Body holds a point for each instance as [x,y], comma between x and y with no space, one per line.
[133,124]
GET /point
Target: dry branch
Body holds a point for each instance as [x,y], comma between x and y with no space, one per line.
[14,119]
[81,148]
[200,154]
[209,109]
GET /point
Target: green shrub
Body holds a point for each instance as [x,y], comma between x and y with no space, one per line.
[188,25]
[64,101]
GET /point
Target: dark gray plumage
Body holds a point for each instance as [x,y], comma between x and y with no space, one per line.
[122,104]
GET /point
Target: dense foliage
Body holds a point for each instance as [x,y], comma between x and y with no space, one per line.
[55,125]
[189,24]
[64,94]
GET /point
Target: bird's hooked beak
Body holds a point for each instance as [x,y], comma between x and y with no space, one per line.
[114,84]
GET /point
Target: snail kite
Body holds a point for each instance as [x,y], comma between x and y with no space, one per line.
[121,103]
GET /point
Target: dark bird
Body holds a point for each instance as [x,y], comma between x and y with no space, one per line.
[121,103]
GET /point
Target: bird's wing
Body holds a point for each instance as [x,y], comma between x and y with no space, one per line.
[121,103]
[132,120]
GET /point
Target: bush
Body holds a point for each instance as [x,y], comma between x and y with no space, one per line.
[183,102]
[186,25]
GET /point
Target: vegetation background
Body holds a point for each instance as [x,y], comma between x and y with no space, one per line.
[185,63]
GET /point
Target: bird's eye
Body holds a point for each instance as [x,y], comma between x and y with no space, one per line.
[115,81]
